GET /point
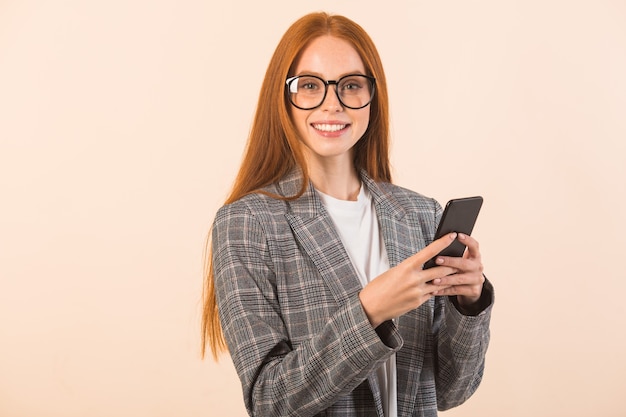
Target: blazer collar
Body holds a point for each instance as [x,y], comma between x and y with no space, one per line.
[310,205]
[384,201]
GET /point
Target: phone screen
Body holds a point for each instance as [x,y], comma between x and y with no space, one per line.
[459,216]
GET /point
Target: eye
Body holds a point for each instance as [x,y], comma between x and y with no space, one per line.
[353,84]
[309,84]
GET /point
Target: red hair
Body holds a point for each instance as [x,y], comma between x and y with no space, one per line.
[274,147]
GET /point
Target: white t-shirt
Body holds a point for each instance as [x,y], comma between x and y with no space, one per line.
[358,228]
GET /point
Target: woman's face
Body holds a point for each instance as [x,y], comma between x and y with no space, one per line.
[330,131]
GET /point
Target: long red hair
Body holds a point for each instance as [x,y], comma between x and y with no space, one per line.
[274,148]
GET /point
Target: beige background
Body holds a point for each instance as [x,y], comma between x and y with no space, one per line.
[121,128]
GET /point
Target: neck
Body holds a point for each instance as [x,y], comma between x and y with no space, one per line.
[343,184]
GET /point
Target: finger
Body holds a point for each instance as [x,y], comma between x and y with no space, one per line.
[436,274]
[435,289]
[461,279]
[471,291]
[449,291]
[431,250]
[462,265]
[473,248]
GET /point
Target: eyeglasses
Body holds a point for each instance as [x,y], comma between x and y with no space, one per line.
[308,92]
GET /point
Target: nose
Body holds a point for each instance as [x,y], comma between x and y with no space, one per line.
[331,101]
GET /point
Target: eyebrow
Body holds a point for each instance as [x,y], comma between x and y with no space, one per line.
[317,74]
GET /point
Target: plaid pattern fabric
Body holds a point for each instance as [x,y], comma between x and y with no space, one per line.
[299,338]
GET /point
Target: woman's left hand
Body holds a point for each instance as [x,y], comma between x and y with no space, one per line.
[467,282]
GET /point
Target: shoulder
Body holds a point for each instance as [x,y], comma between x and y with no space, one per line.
[403,200]
[406,214]
[270,201]
[410,199]
[255,205]
[247,225]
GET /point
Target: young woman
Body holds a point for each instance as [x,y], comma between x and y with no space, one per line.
[314,279]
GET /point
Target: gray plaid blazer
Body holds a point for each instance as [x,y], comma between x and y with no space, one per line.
[300,341]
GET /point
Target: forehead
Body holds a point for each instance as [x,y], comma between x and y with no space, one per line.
[330,57]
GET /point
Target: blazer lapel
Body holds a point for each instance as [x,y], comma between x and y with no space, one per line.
[315,232]
[399,242]
[402,242]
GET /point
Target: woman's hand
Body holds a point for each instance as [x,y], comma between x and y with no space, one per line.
[467,282]
[407,286]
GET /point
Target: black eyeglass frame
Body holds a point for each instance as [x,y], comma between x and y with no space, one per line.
[326,84]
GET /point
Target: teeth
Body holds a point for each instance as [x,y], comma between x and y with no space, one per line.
[329,127]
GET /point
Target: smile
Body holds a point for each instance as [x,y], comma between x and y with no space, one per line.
[325,127]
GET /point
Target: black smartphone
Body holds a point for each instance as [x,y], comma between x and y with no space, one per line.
[459,216]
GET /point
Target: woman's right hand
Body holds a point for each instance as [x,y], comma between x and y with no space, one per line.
[405,286]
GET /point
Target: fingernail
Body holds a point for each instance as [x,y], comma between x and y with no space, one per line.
[462,236]
[439,260]
[452,235]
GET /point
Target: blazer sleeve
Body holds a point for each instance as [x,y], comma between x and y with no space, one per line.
[461,344]
[277,378]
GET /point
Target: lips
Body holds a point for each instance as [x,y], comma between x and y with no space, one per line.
[329,127]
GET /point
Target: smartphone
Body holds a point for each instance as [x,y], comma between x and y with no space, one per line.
[459,216]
